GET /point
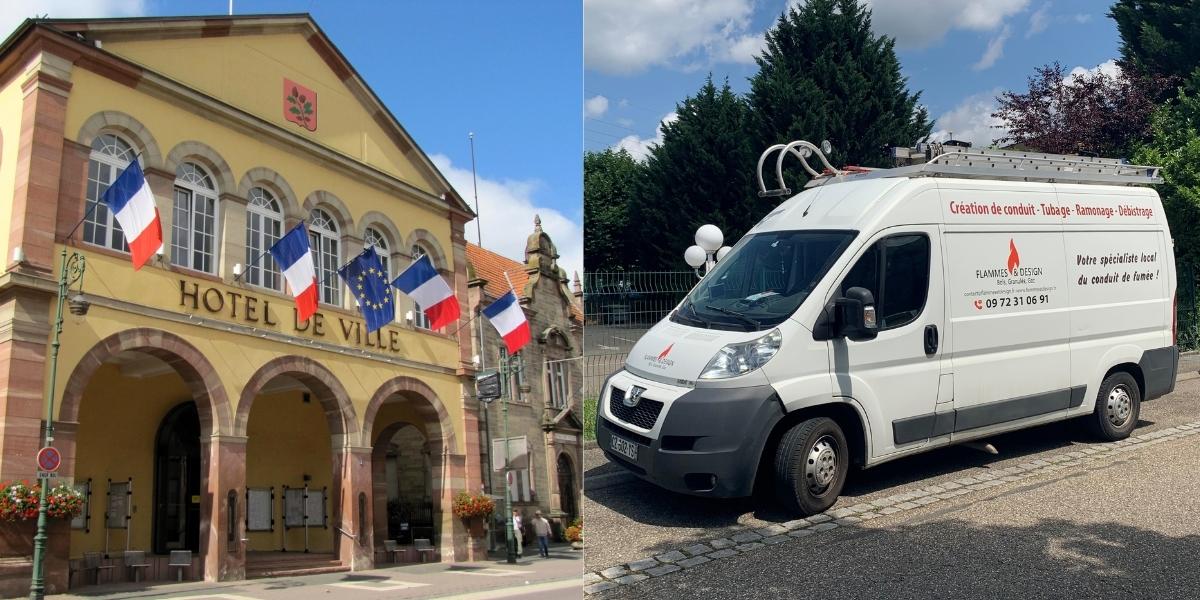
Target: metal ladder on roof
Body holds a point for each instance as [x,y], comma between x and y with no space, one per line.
[963,162]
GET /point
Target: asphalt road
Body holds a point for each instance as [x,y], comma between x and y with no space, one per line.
[629,519]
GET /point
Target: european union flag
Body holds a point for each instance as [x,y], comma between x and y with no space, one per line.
[369,284]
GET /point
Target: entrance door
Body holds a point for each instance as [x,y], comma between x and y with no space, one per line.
[895,377]
[566,487]
[177,481]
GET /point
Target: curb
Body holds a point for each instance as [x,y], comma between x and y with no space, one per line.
[748,540]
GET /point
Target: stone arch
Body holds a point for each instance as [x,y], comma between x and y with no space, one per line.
[205,156]
[339,411]
[439,429]
[426,240]
[197,372]
[555,331]
[273,181]
[129,127]
[385,225]
[335,207]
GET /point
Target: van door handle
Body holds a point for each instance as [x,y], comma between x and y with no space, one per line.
[931,340]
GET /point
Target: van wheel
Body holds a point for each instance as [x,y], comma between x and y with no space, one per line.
[1117,407]
[810,466]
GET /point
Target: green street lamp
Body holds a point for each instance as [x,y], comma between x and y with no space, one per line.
[70,271]
[489,386]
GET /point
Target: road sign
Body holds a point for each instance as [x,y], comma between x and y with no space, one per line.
[49,459]
[47,475]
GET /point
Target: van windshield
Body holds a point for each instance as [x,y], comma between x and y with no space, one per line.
[763,280]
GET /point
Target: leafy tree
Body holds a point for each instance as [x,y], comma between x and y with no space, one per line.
[1158,39]
[825,76]
[1082,113]
[609,181]
[702,172]
[1175,146]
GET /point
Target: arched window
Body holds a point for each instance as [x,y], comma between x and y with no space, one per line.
[419,318]
[194,229]
[264,225]
[323,237]
[374,239]
[108,159]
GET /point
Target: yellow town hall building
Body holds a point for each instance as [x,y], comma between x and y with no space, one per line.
[192,408]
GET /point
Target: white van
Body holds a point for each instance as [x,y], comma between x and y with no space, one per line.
[884,313]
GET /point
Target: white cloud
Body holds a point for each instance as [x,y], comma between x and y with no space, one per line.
[595,106]
[993,52]
[639,147]
[1039,20]
[1108,67]
[744,49]
[13,12]
[623,37]
[971,121]
[506,211]
[922,23]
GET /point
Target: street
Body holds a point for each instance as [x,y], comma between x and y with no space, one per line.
[531,578]
[1055,514]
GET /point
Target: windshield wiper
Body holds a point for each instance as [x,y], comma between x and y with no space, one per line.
[696,316]
[734,313]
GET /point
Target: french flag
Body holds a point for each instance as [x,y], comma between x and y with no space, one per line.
[131,202]
[423,284]
[292,255]
[508,318]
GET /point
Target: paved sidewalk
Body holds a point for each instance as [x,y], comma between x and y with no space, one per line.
[532,577]
[1117,522]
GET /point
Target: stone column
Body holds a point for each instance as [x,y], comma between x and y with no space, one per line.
[162,185]
[352,477]
[222,470]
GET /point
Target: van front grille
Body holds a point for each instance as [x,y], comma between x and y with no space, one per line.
[644,414]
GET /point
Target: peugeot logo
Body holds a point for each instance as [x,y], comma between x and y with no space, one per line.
[633,397]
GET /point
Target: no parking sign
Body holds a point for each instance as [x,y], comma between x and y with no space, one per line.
[48,461]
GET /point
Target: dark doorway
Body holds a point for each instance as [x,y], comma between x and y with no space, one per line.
[177,481]
[566,487]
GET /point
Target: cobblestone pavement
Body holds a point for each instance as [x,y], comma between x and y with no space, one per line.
[650,534]
[531,579]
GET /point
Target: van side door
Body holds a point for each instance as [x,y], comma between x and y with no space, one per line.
[895,376]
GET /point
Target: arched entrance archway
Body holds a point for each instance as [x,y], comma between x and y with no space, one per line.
[126,385]
[303,465]
[400,410]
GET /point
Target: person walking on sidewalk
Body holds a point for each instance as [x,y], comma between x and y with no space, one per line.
[517,535]
[542,528]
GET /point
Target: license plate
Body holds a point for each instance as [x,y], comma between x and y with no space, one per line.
[623,447]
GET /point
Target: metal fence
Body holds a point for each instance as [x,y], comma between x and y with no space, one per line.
[1187,309]
[618,307]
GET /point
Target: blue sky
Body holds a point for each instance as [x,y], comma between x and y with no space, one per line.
[642,57]
[508,71]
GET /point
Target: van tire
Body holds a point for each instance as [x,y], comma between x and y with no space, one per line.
[811,463]
[1118,405]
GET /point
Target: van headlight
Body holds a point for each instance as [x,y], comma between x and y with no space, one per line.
[739,359]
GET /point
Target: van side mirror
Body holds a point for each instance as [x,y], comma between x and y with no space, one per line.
[855,315]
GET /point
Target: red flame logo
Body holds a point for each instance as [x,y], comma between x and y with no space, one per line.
[666,352]
[1014,259]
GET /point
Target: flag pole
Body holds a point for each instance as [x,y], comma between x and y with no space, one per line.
[136,158]
[238,277]
[475,185]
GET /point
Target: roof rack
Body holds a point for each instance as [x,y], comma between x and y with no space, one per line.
[964,162]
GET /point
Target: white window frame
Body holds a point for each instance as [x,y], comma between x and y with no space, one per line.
[194,190]
[374,238]
[420,320]
[264,227]
[325,239]
[110,154]
[557,379]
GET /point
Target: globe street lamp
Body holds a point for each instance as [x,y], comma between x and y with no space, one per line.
[707,251]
